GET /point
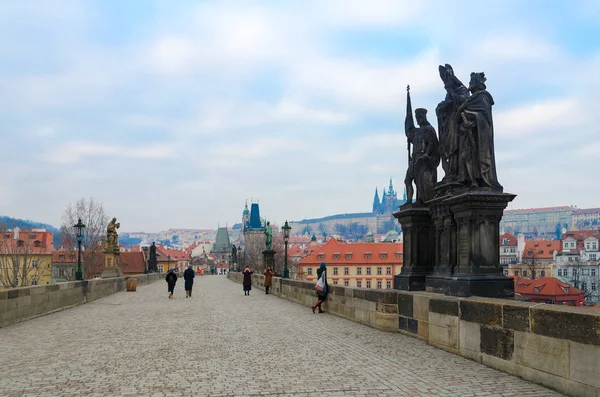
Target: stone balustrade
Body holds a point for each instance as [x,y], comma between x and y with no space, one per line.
[23,303]
[556,346]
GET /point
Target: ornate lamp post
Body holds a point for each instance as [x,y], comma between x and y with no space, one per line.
[79,235]
[286,236]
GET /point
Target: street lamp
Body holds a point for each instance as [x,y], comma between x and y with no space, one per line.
[286,236]
[79,235]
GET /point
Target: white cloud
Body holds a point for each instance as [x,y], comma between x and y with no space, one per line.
[537,117]
[374,13]
[512,47]
[73,152]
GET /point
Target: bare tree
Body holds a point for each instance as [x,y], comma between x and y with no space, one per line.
[24,258]
[584,282]
[531,262]
[95,219]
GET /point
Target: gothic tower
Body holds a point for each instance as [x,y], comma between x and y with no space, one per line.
[376,203]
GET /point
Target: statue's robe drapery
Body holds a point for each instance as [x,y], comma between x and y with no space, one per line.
[478,110]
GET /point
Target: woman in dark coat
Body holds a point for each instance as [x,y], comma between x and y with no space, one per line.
[268,278]
[247,280]
[321,295]
[171,280]
[188,276]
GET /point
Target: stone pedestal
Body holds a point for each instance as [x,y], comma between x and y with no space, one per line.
[467,245]
[417,237]
[269,258]
[111,265]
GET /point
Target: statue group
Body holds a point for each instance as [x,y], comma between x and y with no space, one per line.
[451,227]
[465,146]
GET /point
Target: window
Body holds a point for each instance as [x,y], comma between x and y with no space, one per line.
[560,272]
[383,255]
[20,243]
[161,270]
[593,286]
[379,284]
[388,270]
[368,255]
[346,271]
[34,282]
[379,270]
[524,273]
[388,284]
[543,273]
[336,256]
[359,284]
[399,255]
[506,272]
[37,243]
[348,256]
[61,257]
[368,284]
[583,286]
[309,271]
[335,271]
[574,272]
[585,272]
[368,271]
[321,256]
[334,282]
[516,272]
[34,264]
[72,257]
[593,257]
[345,283]
[593,272]
[359,271]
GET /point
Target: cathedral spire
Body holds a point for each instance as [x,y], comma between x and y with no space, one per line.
[391,188]
[376,202]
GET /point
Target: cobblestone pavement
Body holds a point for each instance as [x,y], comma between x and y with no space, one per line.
[222,343]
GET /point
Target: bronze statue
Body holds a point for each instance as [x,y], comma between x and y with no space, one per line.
[269,234]
[477,165]
[422,167]
[112,237]
[456,94]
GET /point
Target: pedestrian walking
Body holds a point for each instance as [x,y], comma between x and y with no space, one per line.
[268,279]
[247,280]
[321,287]
[171,280]
[188,276]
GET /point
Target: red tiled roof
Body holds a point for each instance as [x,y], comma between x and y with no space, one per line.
[64,257]
[33,242]
[334,251]
[131,262]
[541,249]
[222,265]
[176,255]
[580,234]
[581,211]
[511,240]
[544,286]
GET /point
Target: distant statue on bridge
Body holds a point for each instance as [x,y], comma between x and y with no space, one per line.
[269,234]
[112,237]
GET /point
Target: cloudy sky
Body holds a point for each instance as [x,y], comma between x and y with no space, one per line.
[173,113]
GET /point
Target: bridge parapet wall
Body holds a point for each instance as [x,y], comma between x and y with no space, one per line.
[556,346]
[19,304]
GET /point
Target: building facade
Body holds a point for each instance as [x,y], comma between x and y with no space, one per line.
[361,265]
[537,222]
[579,263]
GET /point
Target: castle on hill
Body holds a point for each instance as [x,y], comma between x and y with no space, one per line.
[379,220]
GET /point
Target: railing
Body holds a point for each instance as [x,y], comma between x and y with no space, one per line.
[553,345]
